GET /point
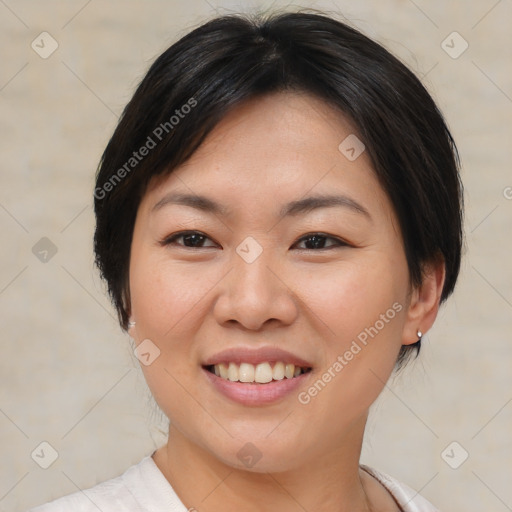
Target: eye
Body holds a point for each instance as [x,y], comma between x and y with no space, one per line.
[194,238]
[317,241]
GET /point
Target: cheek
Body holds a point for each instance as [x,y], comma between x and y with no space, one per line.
[351,296]
[164,293]
[163,299]
[362,313]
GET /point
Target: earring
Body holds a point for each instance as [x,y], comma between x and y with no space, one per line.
[420,334]
[131,324]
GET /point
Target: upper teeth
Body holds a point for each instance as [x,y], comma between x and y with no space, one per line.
[261,373]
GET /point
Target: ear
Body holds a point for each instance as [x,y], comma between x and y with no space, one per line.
[424,302]
[131,330]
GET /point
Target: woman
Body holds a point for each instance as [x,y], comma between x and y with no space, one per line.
[279,217]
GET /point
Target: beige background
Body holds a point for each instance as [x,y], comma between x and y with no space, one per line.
[68,375]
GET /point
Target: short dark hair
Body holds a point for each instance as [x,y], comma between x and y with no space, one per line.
[193,84]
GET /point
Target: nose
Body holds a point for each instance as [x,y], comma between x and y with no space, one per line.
[256,292]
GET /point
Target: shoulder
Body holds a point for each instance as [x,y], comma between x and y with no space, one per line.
[112,495]
[407,498]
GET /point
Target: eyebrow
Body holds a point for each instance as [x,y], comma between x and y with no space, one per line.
[294,208]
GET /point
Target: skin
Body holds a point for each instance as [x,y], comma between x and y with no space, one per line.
[194,301]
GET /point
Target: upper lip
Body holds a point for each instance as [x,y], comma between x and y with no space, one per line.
[255,356]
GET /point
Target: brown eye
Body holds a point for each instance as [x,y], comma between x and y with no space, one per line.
[191,239]
[317,241]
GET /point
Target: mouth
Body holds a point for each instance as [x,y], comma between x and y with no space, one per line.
[261,373]
[256,376]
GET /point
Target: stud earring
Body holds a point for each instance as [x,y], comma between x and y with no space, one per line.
[131,324]
[420,334]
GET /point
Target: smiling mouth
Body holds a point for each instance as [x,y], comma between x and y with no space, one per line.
[262,373]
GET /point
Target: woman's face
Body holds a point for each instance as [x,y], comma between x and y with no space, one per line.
[271,278]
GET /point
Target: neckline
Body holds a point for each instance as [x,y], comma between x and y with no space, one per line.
[381,478]
[378,477]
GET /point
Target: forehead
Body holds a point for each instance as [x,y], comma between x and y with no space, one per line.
[274,149]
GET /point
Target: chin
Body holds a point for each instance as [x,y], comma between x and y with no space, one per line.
[264,461]
[259,455]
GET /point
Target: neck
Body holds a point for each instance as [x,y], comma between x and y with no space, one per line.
[330,482]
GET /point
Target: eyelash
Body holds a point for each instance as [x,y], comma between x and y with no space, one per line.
[170,240]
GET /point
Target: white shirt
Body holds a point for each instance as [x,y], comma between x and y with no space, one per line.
[144,488]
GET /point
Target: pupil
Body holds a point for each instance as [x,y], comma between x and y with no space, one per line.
[195,237]
[317,241]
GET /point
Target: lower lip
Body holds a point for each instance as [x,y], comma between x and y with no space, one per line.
[256,394]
